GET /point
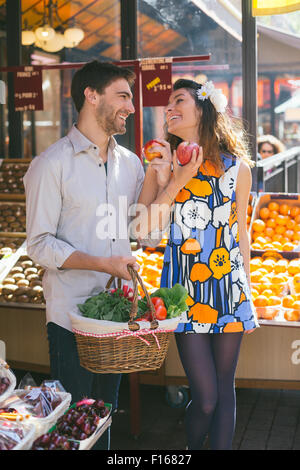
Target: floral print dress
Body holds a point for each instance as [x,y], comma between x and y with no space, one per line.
[203,254]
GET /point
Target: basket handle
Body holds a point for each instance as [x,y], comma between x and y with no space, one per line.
[136,278]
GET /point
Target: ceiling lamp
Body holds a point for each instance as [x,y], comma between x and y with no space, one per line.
[45,37]
[73,36]
[45,33]
[28,37]
[54,45]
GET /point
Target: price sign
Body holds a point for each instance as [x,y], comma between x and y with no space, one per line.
[156,81]
[28,89]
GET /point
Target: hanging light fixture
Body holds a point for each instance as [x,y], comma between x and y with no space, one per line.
[28,36]
[73,36]
[45,37]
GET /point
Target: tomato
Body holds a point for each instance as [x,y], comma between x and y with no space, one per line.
[161,312]
[157,301]
[146,317]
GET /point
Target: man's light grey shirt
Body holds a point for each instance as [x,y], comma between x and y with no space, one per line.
[72,204]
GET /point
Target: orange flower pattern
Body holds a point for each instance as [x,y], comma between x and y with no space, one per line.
[203,254]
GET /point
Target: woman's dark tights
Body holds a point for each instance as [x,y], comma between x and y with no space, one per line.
[210,361]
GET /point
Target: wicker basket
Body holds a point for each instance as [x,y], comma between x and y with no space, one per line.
[130,350]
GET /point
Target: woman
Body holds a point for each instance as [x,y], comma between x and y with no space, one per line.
[268,145]
[207,251]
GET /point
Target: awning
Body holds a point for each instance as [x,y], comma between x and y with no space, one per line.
[291,103]
[274,7]
[230,19]
[291,40]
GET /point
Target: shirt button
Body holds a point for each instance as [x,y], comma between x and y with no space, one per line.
[100,164]
[113,239]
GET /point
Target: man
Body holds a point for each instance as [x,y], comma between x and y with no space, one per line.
[67,187]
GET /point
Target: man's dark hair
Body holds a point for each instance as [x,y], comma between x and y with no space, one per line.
[97,75]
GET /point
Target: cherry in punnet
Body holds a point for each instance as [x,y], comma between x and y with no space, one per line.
[185,150]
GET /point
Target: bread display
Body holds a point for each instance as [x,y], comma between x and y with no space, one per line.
[23,284]
[12,217]
[11,177]
[9,246]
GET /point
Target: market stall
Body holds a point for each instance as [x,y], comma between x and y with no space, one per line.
[269,357]
[42,417]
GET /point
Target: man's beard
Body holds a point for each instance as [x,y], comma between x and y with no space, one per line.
[107,119]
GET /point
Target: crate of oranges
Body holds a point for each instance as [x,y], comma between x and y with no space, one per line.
[275,223]
[275,287]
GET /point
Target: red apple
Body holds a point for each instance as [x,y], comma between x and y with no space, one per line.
[185,150]
[149,154]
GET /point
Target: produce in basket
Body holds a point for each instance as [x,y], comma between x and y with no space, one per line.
[174,300]
[112,305]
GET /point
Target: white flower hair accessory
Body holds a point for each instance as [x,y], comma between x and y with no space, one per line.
[217,98]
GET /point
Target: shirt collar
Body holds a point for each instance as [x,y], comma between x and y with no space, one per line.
[81,143]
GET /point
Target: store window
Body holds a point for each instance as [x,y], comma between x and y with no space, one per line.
[175,28]
[287,109]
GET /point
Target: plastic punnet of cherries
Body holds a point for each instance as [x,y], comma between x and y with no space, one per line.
[75,425]
[4,384]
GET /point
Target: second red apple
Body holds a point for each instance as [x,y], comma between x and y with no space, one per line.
[185,150]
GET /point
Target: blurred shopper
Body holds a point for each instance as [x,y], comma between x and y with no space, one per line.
[65,187]
[207,251]
[268,145]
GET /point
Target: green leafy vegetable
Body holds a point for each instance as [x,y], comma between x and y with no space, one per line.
[174,299]
[107,306]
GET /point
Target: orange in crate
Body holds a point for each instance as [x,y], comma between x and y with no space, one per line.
[296,284]
[295,211]
[255,263]
[294,267]
[292,315]
[264,213]
[274,300]
[284,209]
[273,206]
[261,301]
[258,225]
[288,301]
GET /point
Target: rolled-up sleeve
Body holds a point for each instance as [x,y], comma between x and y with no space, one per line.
[43,210]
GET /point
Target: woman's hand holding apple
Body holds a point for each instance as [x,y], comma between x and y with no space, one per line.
[183,173]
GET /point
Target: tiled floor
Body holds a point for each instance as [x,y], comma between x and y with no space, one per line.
[266,420]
